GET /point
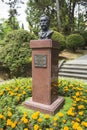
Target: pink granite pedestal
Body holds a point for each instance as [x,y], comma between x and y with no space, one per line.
[45,77]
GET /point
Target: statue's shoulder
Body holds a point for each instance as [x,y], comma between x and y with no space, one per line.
[49,32]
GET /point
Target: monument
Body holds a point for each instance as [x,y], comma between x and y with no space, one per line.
[45,32]
[45,72]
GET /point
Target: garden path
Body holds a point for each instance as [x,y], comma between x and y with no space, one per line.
[76,68]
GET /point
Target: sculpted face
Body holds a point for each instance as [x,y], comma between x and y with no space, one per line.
[44,23]
[45,32]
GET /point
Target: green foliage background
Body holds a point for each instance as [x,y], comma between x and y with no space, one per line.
[74,41]
[84,34]
[58,37]
[15,52]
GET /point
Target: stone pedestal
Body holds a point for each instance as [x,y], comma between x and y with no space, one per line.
[44,77]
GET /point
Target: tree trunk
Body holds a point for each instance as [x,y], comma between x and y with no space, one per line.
[58,16]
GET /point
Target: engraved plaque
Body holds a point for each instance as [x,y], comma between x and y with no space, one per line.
[40,60]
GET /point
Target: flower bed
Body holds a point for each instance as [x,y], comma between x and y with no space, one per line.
[73,116]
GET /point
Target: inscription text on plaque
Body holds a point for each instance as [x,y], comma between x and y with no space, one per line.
[40,60]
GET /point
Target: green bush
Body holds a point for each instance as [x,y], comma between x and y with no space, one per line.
[84,34]
[15,52]
[74,41]
[56,36]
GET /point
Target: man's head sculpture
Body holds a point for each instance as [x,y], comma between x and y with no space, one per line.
[45,33]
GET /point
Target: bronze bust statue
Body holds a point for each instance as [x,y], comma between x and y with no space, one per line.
[45,32]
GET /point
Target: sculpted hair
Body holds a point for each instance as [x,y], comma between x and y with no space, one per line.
[44,15]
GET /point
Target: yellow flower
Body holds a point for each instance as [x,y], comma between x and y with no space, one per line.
[60,114]
[80,106]
[13,124]
[40,120]
[1,116]
[29,87]
[79,128]
[81,113]
[9,122]
[18,98]
[78,99]
[66,89]
[55,118]
[83,123]
[7,88]
[70,112]
[75,125]
[9,113]
[85,101]
[73,96]
[79,89]
[66,128]
[19,95]
[1,129]
[25,120]
[73,122]
[24,92]
[54,124]
[77,94]
[64,121]
[34,116]
[84,97]
[37,113]
[25,128]
[11,93]
[51,129]
[16,89]
[77,119]
[1,93]
[70,85]
[74,104]
[36,127]
[47,116]
[25,114]
[85,90]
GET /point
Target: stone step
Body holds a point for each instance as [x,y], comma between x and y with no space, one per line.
[81,76]
[73,71]
[77,62]
[74,67]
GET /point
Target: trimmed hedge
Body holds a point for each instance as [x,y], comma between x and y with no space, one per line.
[56,36]
[74,41]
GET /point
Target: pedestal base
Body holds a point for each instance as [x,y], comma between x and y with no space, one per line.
[48,109]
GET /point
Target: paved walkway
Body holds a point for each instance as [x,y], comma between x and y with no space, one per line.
[80,60]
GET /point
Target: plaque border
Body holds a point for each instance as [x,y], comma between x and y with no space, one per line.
[41,65]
